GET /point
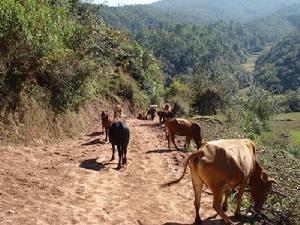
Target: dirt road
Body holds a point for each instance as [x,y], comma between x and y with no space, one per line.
[74,183]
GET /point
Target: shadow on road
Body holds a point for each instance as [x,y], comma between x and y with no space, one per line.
[95,133]
[211,221]
[164,150]
[92,164]
[93,142]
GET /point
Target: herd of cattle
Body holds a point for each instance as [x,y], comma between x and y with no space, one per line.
[221,165]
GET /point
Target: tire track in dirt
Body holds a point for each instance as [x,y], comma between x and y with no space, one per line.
[73,182]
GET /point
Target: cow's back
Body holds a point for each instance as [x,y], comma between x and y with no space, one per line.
[179,126]
[119,133]
[231,161]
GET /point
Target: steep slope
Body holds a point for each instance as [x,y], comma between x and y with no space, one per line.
[55,57]
[279,69]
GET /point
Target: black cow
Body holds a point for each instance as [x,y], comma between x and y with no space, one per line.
[119,135]
[151,112]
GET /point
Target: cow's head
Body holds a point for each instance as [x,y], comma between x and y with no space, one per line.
[260,186]
[169,115]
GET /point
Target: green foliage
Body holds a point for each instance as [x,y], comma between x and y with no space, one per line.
[278,70]
[179,94]
[294,100]
[218,48]
[61,47]
[253,112]
[261,103]
[273,27]
[212,10]
[208,102]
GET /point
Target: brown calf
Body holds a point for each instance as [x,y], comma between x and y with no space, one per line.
[107,121]
[118,111]
[183,127]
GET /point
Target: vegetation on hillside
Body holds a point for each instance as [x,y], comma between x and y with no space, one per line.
[279,69]
[227,10]
[56,54]
[273,28]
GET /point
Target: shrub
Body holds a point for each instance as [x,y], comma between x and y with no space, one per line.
[207,103]
[294,101]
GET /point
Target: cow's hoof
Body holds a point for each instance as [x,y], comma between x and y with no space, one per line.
[198,221]
[124,161]
[118,167]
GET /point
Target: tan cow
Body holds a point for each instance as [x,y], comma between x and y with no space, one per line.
[118,111]
[223,165]
[182,127]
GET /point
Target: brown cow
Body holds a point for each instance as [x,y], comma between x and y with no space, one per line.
[118,111]
[223,165]
[107,121]
[183,127]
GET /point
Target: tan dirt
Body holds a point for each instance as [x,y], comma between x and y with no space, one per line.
[73,182]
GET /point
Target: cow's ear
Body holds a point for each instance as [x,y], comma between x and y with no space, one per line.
[264,176]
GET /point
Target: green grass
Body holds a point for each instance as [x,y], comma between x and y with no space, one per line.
[286,116]
[288,123]
[295,137]
[249,66]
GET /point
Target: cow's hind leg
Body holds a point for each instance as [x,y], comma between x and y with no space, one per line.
[120,155]
[218,194]
[187,142]
[168,138]
[113,152]
[124,150]
[197,186]
[106,134]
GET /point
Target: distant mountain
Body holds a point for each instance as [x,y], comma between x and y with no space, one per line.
[228,10]
[275,26]
[279,69]
[138,16]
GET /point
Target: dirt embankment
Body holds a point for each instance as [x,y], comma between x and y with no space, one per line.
[73,182]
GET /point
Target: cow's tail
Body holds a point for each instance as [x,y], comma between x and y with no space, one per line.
[199,154]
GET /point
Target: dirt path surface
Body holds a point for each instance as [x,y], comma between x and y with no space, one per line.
[73,182]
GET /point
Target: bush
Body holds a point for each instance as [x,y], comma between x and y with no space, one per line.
[207,103]
[261,103]
[294,101]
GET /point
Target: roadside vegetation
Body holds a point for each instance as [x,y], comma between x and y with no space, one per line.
[55,57]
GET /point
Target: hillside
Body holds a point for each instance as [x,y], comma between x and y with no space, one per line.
[274,27]
[228,10]
[55,58]
[217,49]
[279,69]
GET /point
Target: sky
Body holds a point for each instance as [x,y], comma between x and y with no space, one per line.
[123,2]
